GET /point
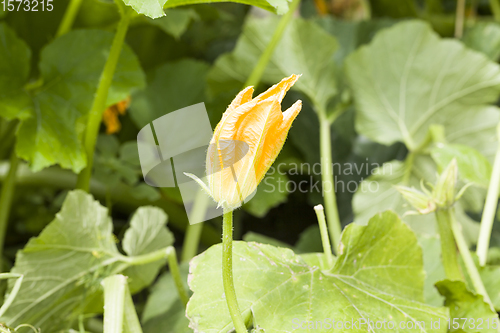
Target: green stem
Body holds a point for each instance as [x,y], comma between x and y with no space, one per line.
[131,323]
[448,247]
[459,19]
[6,200]
[495,9]
[69,17]
[114,303]
[332,213]
[176,275]
[227,273]
[489,210]
[467,258]
[100,99]
[13,293]
[408,168]
[327,248]
[259,69]
[193,231]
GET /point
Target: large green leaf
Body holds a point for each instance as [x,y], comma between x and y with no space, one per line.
[64,265]
[466,308]
[170,87]
[378,275]
[408,78]
[70,68]
[176,21]
[15,58]
[303,49]
[484,37]
[154,8]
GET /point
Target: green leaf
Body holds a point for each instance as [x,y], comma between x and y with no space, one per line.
[408,78]
[147,233]
[472,166]
[434,271]
[176,22]
[70,68]
[271,192]
[484,37]
[284,288]
[154,8]
[304,49]
[64,265]
[170,87]
[465,304]
[309,241]
[164,311]
[15,57]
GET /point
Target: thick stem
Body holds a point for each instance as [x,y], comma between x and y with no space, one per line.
[332,213]
[131,323]
[69,17]
[114,303]
[489,211]
[227,273]
[495,9]
[448,247]
[176,275]
[258,70]
[99,104]
[467,258]
[459,19]
[193,231]
[6,200]
[327,248]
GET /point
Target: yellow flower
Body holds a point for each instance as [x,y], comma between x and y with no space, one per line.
[246,142]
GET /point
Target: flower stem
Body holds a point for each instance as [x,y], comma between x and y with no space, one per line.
[227,272]
[327,248]
[99,103]
[459,19]
[467,258]
[114,303]
[258,70]
[6,195]
[489,210]
[332,213]
[448,247]
[193,231]
[69,17]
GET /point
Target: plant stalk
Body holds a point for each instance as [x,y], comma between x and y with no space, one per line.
[261,65]
[69,17]
[448,247]
[459,19]
[6,195]
[130,319]
[489,210]
[467,258]
[227,273]
[176,274]
[193,231]
[99,104]
[495,9]
[114,303]
[327,248]
[332,213]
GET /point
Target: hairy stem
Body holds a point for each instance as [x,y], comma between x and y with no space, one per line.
[6,195]
[193,231]
[327,248]
[69,17]
[448,247]
[489,210]
[227,273]
[470,266]
[99,103]
[332,213]
[258,70]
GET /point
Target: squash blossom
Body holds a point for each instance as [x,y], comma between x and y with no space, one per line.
[246,142]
